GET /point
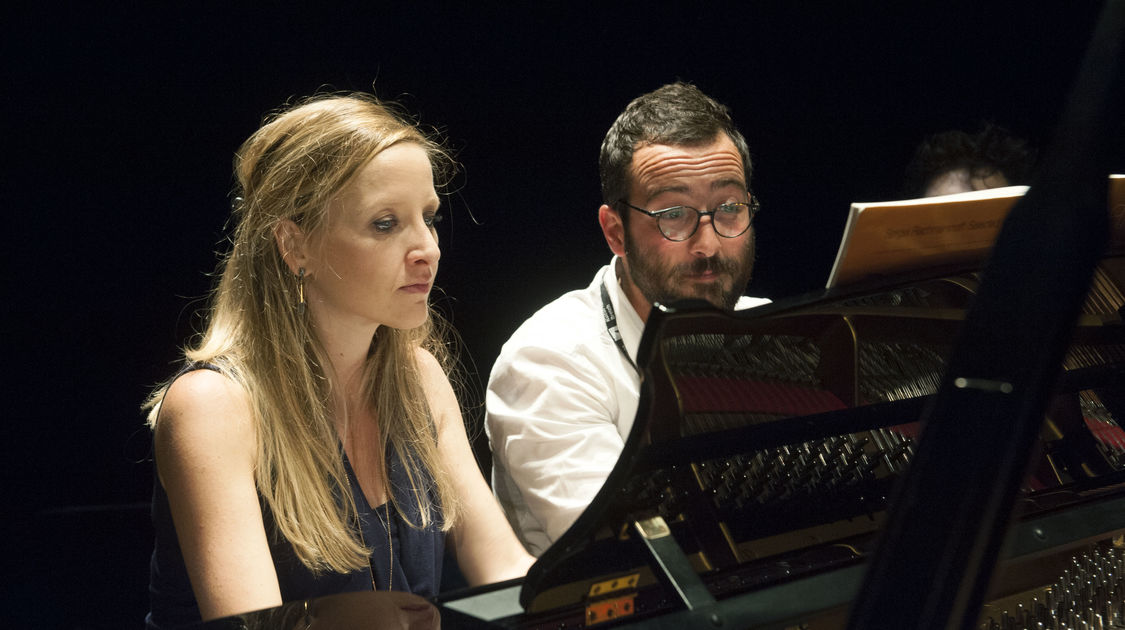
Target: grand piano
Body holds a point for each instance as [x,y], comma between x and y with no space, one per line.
[769,447]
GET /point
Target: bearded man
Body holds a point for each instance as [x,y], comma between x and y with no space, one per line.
[677,214]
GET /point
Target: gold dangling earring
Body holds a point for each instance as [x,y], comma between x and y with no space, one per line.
[301,291]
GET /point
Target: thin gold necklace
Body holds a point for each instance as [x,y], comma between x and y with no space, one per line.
[386,525]
[390,545]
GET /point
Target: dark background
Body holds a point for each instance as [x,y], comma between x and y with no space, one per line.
[121,124]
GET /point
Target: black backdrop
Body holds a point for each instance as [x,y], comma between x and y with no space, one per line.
[122,122]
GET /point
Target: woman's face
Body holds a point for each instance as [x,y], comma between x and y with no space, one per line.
[375,262]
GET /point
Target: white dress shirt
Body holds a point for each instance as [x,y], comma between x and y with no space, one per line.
[561,400]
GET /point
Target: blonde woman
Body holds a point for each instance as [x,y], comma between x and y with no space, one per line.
[313,443]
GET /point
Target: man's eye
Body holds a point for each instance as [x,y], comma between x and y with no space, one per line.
[433,220]
[730,208]
[675,213]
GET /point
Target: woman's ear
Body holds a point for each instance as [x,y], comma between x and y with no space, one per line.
[292,243]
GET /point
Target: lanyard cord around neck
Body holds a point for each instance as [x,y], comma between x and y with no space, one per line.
[611,326]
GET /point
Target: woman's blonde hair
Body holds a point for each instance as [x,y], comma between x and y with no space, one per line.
[290,169]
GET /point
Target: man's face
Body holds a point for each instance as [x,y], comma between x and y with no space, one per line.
[706,265]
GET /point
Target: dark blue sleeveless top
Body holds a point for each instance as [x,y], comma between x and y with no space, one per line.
[417,555]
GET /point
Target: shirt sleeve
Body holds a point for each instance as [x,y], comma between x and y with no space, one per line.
[551,420]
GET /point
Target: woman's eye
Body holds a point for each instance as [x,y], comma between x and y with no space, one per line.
[433,220]
[385,225]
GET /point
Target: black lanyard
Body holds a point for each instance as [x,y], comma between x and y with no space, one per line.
[611,326]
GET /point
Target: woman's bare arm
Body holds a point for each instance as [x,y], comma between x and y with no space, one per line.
[205,453]
[487,549]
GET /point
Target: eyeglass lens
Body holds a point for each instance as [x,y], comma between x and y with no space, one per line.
[730,220]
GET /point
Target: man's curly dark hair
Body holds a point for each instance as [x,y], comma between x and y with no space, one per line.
[990,151]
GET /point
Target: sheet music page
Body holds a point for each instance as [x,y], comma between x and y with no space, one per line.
[1117,213]
[890,237]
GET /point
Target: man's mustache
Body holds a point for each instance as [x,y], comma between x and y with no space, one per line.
[716,264]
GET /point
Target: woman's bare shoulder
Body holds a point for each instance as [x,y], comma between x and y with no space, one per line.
[434,378]
[435,382]
[205,410]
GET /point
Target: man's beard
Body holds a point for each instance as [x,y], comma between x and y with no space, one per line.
[663,283]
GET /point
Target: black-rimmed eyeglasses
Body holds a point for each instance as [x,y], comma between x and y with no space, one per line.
[679,223]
